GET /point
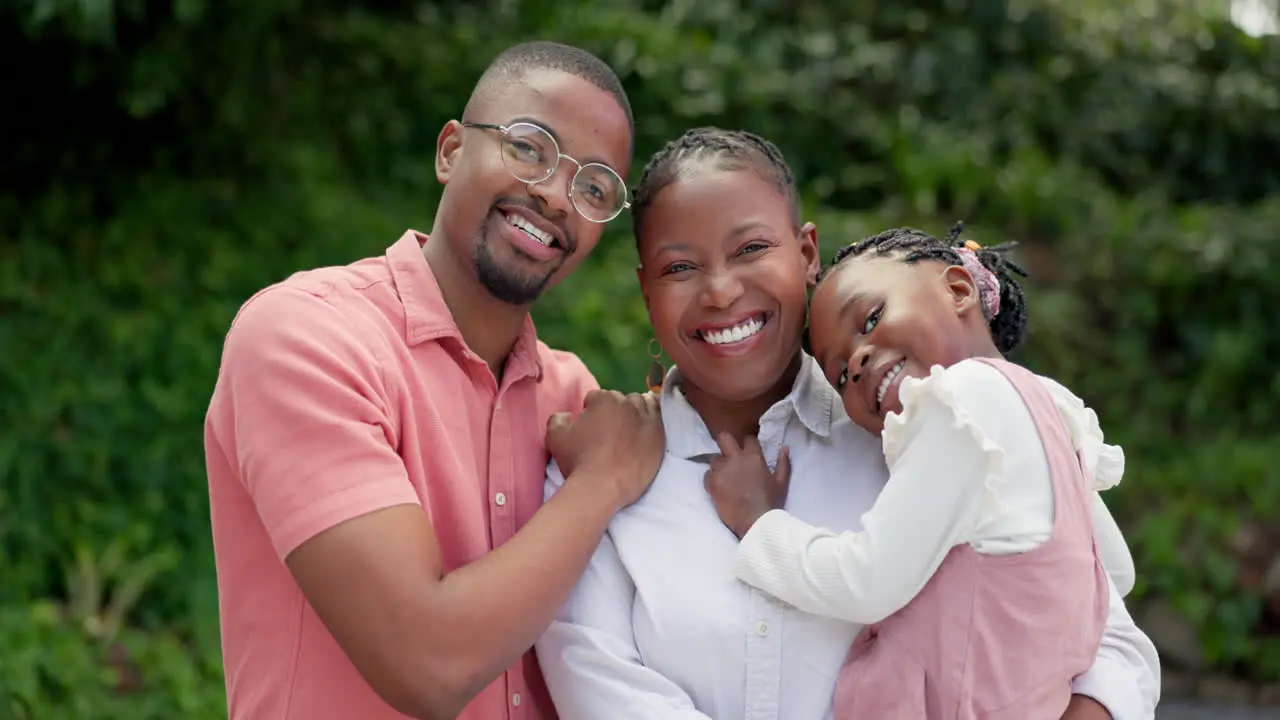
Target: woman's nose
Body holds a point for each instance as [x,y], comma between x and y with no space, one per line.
[722,289]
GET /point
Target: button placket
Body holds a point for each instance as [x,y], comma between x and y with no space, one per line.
[501,489]
[764,655]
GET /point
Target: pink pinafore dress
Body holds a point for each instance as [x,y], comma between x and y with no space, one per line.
[993,637]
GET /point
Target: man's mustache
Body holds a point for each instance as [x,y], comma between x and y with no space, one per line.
[528,203]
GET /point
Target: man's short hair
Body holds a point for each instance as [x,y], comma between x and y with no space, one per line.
[515,61]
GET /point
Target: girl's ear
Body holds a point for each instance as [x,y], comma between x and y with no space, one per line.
[962,289]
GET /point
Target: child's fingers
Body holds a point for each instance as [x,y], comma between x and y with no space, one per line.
[728,446]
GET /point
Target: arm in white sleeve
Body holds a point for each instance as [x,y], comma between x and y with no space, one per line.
[1105,465]
[589,657]
[1112,548]
[937,478]
[1125,677]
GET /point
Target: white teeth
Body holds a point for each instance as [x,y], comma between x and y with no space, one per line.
[529,229]
[888,378]
[737,333]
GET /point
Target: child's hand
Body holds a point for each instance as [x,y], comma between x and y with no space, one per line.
[741,484]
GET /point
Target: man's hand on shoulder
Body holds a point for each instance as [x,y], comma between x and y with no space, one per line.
[618,439]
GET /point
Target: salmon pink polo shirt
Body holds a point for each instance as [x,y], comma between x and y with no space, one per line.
[343,391]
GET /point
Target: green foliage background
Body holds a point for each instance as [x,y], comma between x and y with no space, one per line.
[171,158]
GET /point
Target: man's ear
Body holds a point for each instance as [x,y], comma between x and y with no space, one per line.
[448,150]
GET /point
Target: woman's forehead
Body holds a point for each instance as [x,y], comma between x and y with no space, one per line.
[709,204]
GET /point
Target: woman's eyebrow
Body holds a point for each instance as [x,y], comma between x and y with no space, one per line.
[674,247]
[747,227]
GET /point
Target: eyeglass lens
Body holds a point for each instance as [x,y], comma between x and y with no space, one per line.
[532,155]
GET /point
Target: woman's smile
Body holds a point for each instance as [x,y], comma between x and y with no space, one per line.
[733,337]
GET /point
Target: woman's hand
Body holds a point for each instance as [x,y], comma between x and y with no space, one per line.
[741,484]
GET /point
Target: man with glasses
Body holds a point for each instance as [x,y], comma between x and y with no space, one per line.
[378,435]
[530,152]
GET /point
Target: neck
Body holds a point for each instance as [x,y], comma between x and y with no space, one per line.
[739,418]
[981,343]
[489,326]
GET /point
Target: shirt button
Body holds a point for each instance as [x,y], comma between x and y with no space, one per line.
[762,629]
[515,699]
[500,499]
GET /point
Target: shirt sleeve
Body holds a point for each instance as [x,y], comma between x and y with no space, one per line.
[303,414]
[863,577]
[1105,464]
[588,655]
[567,371]
[1125,676]
[1112,548]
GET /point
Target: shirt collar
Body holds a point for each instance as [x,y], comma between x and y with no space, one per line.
[812,400]
[427,317]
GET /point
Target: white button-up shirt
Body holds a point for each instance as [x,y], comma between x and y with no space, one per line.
[659,628]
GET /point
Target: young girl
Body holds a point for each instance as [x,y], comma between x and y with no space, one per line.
[976,570]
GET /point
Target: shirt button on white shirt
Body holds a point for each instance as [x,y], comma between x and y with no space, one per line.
[500,499]
[762,629]
[515,699]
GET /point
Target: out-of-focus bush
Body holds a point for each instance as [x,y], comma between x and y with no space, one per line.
[172,159]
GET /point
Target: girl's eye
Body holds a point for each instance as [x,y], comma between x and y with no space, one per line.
[752,247]
[674,268]
[872,320]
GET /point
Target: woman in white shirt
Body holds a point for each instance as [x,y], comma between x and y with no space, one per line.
[659,627]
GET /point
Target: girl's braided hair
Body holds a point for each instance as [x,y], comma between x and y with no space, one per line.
[1009,325]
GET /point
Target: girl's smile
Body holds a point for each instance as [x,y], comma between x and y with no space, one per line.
[890,380]
[876,321]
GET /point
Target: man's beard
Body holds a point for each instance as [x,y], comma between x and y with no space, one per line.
[504,283]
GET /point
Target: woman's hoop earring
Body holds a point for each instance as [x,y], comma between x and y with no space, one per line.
[653,379]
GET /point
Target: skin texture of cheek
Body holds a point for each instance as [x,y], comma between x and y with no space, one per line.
[589,125]
[758,372]
[720,251]
[856,408]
